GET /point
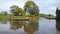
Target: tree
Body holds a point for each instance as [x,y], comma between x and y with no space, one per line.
[4,13]
[31,7]
[16,10]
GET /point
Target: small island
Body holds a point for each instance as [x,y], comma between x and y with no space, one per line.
[29,12]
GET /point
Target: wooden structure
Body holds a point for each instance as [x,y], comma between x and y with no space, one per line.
[58,13]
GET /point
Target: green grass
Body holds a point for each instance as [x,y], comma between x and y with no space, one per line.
[47,16]
[4,18]
[28,15]
[34,18]
[7,17]
[17,17]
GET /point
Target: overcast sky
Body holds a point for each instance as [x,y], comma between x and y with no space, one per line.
[45,6]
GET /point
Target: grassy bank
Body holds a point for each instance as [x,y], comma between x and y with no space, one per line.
[4,17]
[7,17]
[31,17]
[49,16]
[34,18]
[17,17]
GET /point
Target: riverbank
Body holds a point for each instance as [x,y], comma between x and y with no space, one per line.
[4,17]
[41,26]
[48,16]
[9,17]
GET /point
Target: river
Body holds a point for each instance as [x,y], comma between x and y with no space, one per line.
[42,26]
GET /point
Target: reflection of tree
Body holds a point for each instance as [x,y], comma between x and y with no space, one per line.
[58,26]
[16,24]
[31,27]
[3,21]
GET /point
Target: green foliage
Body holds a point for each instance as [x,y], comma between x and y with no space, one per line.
[3,13]
[50,15]
[17,24]
[17,17]
[28,15]
[4,17]
[35,18]
[31,7]
[47,16]
[17,11]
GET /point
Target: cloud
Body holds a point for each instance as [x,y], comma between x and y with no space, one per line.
[45,6]
[5,5]
[19,3]
[52,8]
[48,6]
[51,1]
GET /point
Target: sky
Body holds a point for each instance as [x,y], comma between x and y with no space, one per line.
[45,6]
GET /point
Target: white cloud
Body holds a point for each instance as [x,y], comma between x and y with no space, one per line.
[47,1]
[52,8]
[44,5]
[19,3]
[5,5]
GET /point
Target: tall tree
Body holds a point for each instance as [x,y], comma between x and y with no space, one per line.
[16,10]
[32,8]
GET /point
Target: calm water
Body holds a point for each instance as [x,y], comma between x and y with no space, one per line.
[42,26]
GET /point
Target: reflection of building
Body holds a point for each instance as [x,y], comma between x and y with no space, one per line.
[58,13]
[58,27]
[31,27]
[16,24]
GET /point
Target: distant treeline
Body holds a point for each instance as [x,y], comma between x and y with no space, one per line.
[49,16]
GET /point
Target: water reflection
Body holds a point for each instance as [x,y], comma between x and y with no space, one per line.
[29,26]
[58,27]
[16,24]
[3,21]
